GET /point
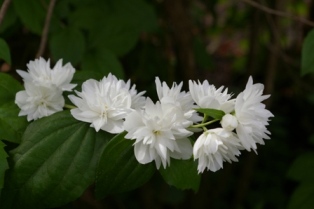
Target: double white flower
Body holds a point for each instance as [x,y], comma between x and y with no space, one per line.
[106,103]
[246,114]
[252,115]
[43,88]
[161,129]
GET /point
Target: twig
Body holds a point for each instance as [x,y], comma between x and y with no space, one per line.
[44,35]
[3,9]
[278,13]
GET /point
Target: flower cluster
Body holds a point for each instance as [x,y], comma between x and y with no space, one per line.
[160,130]
[43,88]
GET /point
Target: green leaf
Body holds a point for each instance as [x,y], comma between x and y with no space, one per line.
[85,17]
[68,44]
[302,169]
[116,34]
[122,22]
[11,125]
[307,57]
[5,51]
[3,163]
[182,174]
[32,14]
[54,164]
[8,88]
[102,61]
[118,170]
[302,197]
[216,114]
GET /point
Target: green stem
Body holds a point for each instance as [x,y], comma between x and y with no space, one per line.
[69,106]
[204,124]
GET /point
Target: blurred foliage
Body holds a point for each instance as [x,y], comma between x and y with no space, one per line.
[220,40]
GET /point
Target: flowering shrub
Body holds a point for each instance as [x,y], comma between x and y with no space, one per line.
[117,137]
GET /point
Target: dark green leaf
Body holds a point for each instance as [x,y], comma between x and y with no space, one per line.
[32,14]
[5,51]
[302,197]
[12,126]
[182,174]
[68,44]
[302,169]
[8,88]
[115,34]
[86,17]
[54,164]
[307,58]
[118,170]
[120,25]
[102,61]
[216,114]
[3,163]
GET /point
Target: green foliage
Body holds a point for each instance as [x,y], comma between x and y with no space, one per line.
[11,126]
[302,197]
[182,174]
[8,88]
[32,13]
[5,51]
[3,163]
[68,44]
[216,114]
[118,170]
[302,170]
[54,164]
[307,58]
[102,61]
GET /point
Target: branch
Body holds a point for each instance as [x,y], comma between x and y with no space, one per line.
[44,35]
[3,9]
[278,13]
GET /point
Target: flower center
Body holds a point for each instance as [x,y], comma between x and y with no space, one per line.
[156,132]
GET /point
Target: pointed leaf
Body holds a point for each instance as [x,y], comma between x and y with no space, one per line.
[68,44]
[54,164]
[8,88]
[118,170]
[216,114]
[11,125]
[302,169]
[307,57]
[102,61]
[182,174]
[302,197]
[3,163]
[32,14]
[5,51]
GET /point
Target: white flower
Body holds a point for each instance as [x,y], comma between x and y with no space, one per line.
[181,100]
[158,134]
[229,122]
[40,73]
[38,101]
[215,146]
[252,115]
[105,104]
[207,96]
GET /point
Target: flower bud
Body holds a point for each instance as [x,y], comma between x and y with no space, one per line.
[229,122]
